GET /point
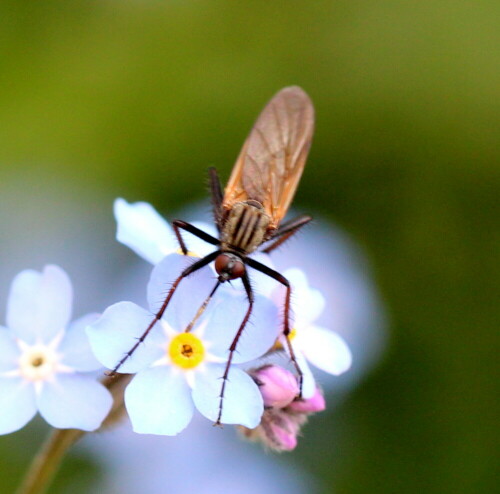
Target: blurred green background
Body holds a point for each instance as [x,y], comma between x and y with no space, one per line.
[137,98]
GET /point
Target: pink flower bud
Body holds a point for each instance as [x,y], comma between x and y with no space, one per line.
[283,435]
[314,404]
[277,385]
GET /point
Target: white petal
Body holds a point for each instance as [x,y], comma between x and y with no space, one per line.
[39,304]
[75,346]
[307,303]
[74,401]
[141,228]
[17,404]
[189,295]
[9,351]
[117,331]
[242,402]
[158,401]
[325,349]
[258,336]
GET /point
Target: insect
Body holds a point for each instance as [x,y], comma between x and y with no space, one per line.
[248,213]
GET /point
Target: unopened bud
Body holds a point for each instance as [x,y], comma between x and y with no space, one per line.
[316,403]
[282,434]
[277,385]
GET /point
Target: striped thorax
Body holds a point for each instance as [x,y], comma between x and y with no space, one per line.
[246,227]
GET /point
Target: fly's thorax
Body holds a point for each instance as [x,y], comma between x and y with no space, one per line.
[246,226]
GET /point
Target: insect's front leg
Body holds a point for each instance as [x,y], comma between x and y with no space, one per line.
[286,323]
[183,225]
[234,344]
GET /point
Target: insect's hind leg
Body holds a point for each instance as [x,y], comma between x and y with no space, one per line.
[234,344]
[285,231]
[190,269]
[286,323]
[183,225]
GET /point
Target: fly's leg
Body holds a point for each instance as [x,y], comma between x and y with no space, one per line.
[285,231]
[286,323]
[216,195]
[183,225]
[234,344]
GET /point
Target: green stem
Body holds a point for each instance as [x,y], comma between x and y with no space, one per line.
[49,458]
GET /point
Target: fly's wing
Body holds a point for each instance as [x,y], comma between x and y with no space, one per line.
[271,161]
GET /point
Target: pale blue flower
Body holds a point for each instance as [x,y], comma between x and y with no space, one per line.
[178,371]
[44,359]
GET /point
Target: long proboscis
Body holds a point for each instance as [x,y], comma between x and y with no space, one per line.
[202,308]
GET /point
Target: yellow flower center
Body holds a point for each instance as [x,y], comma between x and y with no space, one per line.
[186,350]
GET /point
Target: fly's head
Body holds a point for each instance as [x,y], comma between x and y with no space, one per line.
[229,266]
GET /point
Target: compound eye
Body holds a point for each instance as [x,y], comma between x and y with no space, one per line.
[229,266]
[237,270]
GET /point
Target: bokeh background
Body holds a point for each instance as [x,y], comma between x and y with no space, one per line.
[136,98]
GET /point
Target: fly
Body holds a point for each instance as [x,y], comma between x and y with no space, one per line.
[248,213]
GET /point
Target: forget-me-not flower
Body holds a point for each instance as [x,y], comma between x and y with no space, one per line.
[179,370]
[44,360]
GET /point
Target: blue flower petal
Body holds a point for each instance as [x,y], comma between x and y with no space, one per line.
[142,229]
[325,349]
[190,293]
[9,351]
[75,346]
[39,304]
[17,404]
[116,332]
[158,401]
[242,403]
[259,334]
[307,303]
[74,401]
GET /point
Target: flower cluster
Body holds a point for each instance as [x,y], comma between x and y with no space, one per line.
[196,352]
[182,364]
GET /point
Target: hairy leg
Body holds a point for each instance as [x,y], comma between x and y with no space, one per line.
[286,323]
[285,231]
[234,344]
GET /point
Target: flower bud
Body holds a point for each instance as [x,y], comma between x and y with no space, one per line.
[282,434]
[277,385]
[316,403]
